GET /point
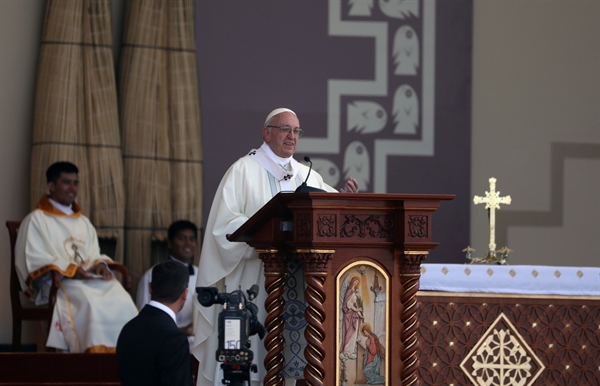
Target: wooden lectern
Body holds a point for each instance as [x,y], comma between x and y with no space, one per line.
[389,234]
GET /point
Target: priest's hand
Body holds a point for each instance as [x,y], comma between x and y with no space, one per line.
[98,271]
[81,274]
[351,186]
[102,269]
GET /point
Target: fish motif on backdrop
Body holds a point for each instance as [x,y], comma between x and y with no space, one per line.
[391,114]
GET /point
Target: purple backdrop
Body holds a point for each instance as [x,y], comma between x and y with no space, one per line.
[382,92]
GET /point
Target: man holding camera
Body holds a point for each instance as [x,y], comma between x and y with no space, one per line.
[151,349]
[182,238]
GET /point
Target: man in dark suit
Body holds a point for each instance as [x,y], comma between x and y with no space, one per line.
[151,349]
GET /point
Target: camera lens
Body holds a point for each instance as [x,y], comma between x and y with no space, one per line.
[205,299]
[207,295]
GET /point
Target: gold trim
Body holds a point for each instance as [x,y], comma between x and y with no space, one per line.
[69,272]
[415,252]
[46,206]
[315,273]
[71,318]
[102,349]
[300,250]
[504,296]
[268,250]
[386,209]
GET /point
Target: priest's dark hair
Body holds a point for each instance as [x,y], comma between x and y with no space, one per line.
[56,169]
[169,280]
[179,226]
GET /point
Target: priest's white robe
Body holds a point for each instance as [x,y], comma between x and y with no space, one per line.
[244,189]
[89,314]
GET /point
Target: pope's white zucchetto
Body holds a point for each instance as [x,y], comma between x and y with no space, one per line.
[276,112]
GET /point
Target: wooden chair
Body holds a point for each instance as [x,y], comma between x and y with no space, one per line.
[23,309]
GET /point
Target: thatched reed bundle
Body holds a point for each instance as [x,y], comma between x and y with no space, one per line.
[160,120]
[76,115]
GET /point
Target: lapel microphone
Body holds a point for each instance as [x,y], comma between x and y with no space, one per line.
[304,188]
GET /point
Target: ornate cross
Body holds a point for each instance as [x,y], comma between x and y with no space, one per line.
[492,202]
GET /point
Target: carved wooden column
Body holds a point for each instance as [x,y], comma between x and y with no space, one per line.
[275,271]
[315,273]
[410,273]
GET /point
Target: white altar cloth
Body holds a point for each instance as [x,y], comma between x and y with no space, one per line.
[511,279]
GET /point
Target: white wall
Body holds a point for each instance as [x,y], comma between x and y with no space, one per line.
[535,82]
[20,31]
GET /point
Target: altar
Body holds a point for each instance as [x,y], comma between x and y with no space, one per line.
[509,325]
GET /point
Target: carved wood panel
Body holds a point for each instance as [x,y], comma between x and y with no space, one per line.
[563,333]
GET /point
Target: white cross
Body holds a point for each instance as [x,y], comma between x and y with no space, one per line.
[492,202]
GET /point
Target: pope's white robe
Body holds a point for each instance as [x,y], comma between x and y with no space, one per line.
[89,314]
[244,189]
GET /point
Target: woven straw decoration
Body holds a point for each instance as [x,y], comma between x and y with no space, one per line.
[160,120]
[76,116]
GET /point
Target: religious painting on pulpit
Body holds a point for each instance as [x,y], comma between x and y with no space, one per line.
[362,315]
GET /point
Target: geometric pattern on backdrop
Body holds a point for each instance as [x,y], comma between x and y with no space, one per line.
[382,89]
[391,114]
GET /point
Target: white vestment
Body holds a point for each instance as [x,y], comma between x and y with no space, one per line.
[244,189]
[89,314]
[186,315]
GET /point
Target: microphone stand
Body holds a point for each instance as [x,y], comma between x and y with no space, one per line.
[304,188]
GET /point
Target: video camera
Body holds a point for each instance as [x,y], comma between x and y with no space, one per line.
[237,323]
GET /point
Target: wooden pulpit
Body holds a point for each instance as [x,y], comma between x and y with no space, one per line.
[368,246]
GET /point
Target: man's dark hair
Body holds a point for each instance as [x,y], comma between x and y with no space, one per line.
[169,280]
[56,169]
[179,226]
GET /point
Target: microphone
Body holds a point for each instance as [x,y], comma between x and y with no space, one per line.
[307,159]
[252,292]
[304,188]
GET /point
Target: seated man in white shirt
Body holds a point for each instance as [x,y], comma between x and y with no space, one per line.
[182,241]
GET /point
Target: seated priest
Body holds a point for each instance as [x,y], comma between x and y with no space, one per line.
[182,237]
[91,305]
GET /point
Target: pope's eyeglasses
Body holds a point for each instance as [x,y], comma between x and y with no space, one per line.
[287,129]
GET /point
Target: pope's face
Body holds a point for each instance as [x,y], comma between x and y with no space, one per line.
[183,245]
[282,144]
[65,189]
